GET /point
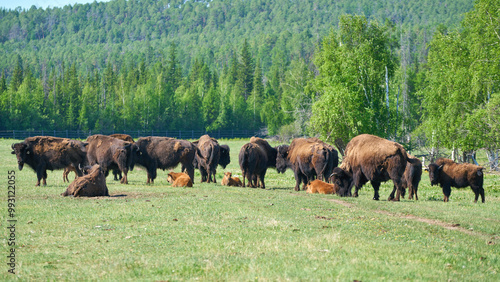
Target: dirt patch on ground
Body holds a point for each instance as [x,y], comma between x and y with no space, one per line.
[345,204]
[450,226]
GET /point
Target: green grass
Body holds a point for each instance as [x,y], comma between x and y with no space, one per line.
[212,232]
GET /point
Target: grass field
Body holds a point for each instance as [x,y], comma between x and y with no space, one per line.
[212,232]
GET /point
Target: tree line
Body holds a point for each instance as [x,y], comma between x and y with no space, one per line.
[365,76]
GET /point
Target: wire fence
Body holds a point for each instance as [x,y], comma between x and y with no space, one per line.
[179,134]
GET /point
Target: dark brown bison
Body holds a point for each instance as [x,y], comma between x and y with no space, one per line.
[111,153]
[225,158]
[165,153]
[254,159]
[117,174]
[370,158]
[412,176]
[307,158]
[321,187]
[447,173]
[45,152]
[93,184]
[207,157]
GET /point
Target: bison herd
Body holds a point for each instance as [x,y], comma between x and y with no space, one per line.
[315,164]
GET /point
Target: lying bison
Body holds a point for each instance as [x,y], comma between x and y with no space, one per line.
[93,184]
[254,159]
[447,173]
[321,187]
[179,179]
[165,153]
[229,180]
[308,158]
[45,152]
[374,159]
[111,153]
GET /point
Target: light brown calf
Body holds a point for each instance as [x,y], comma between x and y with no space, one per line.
[321,187]
[228,180]
[179,179]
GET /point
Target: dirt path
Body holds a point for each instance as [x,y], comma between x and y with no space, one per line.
[456,227]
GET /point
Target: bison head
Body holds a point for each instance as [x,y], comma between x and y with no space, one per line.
[282,158]
[224,159]
[343,180]
[134,155]
[22,152]
[434,171]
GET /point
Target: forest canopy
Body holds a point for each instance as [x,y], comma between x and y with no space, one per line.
[412,71]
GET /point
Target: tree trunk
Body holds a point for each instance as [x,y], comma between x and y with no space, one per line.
[493,158]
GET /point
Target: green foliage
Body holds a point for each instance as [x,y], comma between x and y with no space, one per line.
[151,64]
[352,66]
[463,73]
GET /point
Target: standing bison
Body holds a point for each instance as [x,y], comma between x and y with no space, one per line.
[111,153]
[254,159]
[165,153]
[374,159]
[207,157]
[117,174]
[93,184]
[412,176]
[225,158]
[448,173]
[307,158]
[45,152]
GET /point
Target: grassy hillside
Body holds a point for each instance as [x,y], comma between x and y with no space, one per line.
[211,232]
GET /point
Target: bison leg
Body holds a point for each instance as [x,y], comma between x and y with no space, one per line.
[446,192]
[151,175]
[116,174]
[124,179]
[65,175]
[398,188]
[478,191]
[44,179]
[376,187]
[255,181]
[244,176]
[298,179]
[358,181]
[190,171]
[261,178]
[41,173]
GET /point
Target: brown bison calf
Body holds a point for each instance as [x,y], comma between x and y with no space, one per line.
[179,179]
[448,173]
[411,177]
[228,180]
[321,187]
[66,172]
[91,185]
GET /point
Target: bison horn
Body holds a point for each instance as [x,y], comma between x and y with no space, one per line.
[12,146]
